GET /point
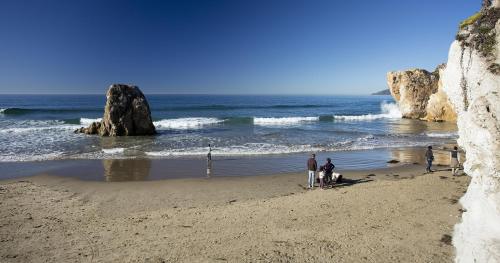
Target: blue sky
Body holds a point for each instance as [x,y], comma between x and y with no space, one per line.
[221,47]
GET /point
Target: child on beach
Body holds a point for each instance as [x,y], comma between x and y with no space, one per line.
[321,176]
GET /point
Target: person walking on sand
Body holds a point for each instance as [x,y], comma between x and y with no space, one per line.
[312,166]
[454,163]
[429,156]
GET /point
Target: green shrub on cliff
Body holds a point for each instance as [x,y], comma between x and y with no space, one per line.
[469,21]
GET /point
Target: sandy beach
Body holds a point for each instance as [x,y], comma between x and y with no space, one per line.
[393,214]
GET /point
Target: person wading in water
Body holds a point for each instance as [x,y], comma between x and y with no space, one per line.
[209,161]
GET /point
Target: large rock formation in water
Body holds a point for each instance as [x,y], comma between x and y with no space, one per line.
[411,89]
[419,94]
[126,113]
[472,82]
[439,107]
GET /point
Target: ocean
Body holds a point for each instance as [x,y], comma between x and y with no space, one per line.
[40,127]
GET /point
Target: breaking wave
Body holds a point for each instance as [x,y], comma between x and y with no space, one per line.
[389,111]
[185,123]
[284,121]
[87,121]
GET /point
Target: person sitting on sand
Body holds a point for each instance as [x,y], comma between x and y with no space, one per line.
[454,163]
[312,166]
[429,156]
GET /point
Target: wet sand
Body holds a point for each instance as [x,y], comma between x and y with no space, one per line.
[144,169]
[392,214]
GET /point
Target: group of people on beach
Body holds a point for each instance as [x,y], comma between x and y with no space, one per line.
[328,177]
[454,162]
[325,173]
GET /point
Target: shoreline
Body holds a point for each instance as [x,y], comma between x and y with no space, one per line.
[375,216]
[152,169]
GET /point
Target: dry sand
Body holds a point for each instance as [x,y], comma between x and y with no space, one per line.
[395,215]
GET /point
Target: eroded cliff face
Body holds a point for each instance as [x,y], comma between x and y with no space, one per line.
[411,89]
[472,82]
[419,94]
[439,107]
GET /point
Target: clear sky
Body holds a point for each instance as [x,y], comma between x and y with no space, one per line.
[221,47]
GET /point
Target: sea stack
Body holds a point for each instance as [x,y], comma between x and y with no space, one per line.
[126,113]
[420,95]
[411,89]
[472,82]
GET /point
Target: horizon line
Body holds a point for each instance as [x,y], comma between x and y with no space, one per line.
[208,94]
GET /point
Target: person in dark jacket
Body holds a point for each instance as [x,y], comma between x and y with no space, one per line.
[454,162]
[429,156]
[328,168]
[312,166]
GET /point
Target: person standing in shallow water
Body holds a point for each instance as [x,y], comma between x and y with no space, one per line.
[312,166]
[429,156]
[454,163]
[209,161]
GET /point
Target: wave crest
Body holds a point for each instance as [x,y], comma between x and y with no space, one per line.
[389,111]
[88,121]
[284,121]
[185,123]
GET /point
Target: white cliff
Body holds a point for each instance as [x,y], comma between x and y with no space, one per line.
[472,82]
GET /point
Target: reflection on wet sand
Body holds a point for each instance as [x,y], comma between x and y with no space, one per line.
[417,155]
[126,170]
[407,126]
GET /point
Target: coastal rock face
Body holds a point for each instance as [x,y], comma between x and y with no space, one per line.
[472,82]
[439,107]
[411,89]
[126,113]
[420,94]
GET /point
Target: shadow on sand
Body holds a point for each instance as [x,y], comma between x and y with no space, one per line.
[348,182]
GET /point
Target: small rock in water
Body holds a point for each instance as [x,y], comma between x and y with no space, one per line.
[393,161]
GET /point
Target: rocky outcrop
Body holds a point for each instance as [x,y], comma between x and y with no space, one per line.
[472,84]
[411,89]
[126,113]
[439,107]
[419,94]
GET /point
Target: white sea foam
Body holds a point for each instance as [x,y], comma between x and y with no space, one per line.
[185,123]
[247,149]
[442,134]
[88,121]
[389,111]
[16,157]
[37,126]
[113,150]
[284,121]
[2,110]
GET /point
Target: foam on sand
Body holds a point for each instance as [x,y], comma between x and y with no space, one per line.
[389,111]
